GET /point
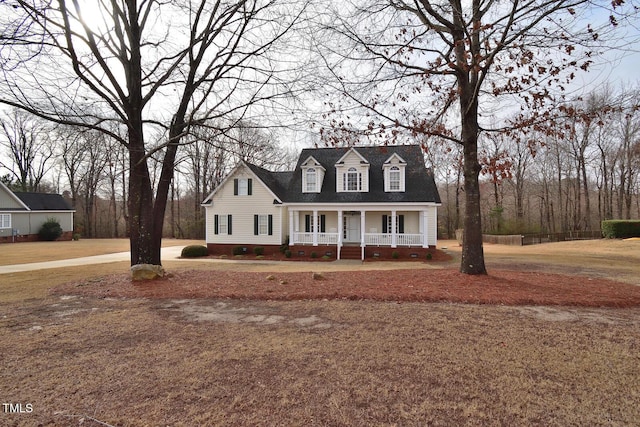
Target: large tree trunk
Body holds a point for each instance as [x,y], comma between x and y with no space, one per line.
[472,250]
[145,248]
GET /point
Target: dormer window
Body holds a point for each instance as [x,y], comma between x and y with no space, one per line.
[394,179]
[312,175]
[394,169]
[312,180]
[353,180]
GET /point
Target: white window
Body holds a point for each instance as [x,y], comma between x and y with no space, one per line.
[311,180]
[394,179]
[353,180]
[223,224]
[5,220]
[243,187]
[263,224]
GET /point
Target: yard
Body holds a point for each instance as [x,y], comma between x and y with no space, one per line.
[225,344]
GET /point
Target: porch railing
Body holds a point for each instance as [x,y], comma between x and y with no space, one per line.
[384,239]
[323,238]
[370,239]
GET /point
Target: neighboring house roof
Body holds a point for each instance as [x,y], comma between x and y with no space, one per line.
[43,201]
[419,182]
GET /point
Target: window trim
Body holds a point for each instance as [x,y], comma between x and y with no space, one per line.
[239,188]
[311,185]
[352,178]
[394,179]
[4,220]
[258,226]
[219,220]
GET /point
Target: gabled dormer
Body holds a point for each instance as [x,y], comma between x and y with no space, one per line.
[352,173]
[312,175]
[394,174]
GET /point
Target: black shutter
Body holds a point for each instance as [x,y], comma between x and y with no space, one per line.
[307,223]
[385,226]
[255,225]
[229,224]
[401,224]
[215,224]
[235,187]
[270,225]
[323,223]
[249,186]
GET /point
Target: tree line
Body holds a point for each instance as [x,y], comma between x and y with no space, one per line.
[587,170]
[90,170]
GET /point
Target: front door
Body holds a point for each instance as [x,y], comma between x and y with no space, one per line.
[351,227]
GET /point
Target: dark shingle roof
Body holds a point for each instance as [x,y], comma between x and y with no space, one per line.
[44,202]
[419,183]
[276,181]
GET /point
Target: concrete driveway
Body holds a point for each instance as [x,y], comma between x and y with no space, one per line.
[168,253]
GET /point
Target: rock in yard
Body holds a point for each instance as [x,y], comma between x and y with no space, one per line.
[146,272]
[317,276]
[271,277]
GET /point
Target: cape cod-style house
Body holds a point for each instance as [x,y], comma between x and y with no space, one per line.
[357,202]
[23,213]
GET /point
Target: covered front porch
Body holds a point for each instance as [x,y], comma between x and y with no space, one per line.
[373,227]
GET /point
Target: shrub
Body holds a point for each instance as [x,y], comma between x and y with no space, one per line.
[50,230]
[620,229]
[284,246]
[76,236]
[258,250]
[238,250]
[429,256]
[314,255]
[194,251]
[287,253]
[395,255]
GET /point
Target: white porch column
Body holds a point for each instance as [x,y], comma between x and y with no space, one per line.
[362,233]
[291,228]
[315,226]
[394,236]
[340,232]
[424,220]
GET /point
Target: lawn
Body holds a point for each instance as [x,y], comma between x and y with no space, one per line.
[95,361]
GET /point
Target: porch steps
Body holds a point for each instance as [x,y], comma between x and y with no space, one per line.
[350,252]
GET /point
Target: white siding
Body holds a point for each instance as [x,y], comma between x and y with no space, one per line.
[432,226]
[242,210]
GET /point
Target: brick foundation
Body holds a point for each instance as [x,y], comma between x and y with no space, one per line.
[301,252]
[224,249]
[67,235]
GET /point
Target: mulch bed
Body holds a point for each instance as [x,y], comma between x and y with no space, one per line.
[503,287]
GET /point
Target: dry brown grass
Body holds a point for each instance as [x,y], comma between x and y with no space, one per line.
[139,362]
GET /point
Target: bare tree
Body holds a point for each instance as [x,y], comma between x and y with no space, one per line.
[28,147]
[434,68]
[144,65]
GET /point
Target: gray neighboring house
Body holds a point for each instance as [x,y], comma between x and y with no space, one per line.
[22,214]
[356,202]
